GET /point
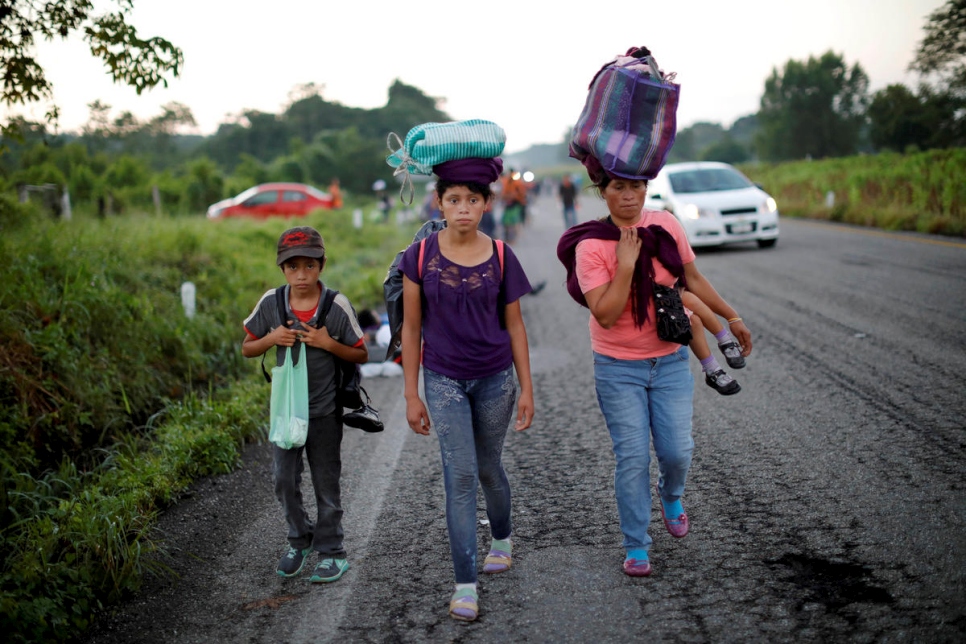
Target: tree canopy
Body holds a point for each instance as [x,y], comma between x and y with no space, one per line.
[943,48]
[129,58]
[813,109]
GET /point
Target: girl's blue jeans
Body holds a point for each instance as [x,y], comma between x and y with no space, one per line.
[471,418]
[641,399]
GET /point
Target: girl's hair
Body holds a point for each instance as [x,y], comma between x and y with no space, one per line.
[482,189]
[601,185]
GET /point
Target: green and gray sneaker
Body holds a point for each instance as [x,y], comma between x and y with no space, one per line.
[329,570]
[292,562]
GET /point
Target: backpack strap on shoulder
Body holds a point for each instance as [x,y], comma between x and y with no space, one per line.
[422,254]
[501,294]
[328,297]
[283,316]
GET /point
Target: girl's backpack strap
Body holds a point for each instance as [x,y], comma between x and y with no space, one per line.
[498,243]
[422,252]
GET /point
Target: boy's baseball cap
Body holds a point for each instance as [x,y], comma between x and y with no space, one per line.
[302,241]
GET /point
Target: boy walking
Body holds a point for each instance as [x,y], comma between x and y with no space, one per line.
[301,257]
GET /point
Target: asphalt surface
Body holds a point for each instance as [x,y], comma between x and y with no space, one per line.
[826,499]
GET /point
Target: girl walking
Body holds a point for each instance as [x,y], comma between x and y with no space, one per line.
[461,312]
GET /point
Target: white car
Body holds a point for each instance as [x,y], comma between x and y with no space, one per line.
[715,203]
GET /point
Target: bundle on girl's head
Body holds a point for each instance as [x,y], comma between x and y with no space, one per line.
[456,151]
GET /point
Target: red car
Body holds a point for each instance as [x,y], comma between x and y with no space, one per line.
[271,200]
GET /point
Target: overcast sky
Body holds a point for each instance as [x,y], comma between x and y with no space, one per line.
[525,64]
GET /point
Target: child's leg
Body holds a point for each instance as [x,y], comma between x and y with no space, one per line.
[699,343]
[714,375]
[710,321]
[726,342]
[323,447]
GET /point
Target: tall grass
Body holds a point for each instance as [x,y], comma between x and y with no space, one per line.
[924,192]
[112,400]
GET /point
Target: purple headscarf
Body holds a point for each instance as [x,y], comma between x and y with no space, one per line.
[475,170]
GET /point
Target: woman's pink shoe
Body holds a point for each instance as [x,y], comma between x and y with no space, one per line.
[678,526]
[637,567]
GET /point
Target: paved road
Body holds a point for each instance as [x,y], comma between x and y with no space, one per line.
[826,499]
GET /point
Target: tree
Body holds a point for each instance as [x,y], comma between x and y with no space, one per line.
[727,150]
[943,49]
[129,59]
[813,109]
[942,53]
[895,120]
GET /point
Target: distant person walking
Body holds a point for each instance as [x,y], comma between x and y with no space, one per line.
[568,197]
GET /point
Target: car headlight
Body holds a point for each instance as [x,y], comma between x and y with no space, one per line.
[691,211]
[771,205]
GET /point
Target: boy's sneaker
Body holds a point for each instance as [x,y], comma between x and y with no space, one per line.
[732,353]
[329,570]
[722,383]
[292,562]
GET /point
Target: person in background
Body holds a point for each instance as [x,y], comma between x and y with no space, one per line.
[568,197]
[336,193]
[514,195]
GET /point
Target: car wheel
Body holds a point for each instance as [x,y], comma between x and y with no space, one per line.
[766,243]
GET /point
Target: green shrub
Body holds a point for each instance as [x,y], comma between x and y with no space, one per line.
[924,191]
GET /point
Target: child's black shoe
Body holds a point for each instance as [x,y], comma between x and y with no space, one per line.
[732,353]
[722,383]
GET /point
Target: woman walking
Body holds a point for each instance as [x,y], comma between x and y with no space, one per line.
[644,384]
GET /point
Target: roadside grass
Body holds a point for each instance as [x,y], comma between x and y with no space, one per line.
[923,192]
[112,400]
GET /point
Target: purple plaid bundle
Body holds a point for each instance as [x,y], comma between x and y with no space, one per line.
[628,124]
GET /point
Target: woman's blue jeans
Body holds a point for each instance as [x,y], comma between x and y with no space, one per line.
[471,419]
[641,399]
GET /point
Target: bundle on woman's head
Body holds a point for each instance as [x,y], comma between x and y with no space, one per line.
[458,151]
[629,122]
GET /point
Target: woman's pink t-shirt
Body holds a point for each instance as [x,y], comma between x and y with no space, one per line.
[597,265]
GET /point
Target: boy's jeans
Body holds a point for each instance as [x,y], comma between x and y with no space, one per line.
[640,399]
[471,419]
[323,447]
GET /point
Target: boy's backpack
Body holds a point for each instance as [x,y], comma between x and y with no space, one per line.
[392,286]
[348,375]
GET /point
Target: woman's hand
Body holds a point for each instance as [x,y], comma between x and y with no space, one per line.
[628,248]
[417,416]
[742,335]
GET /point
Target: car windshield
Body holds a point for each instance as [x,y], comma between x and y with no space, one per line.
[251,192]
[708,180]
[318,194]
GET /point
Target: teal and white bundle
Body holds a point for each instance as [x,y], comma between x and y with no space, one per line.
[430,144]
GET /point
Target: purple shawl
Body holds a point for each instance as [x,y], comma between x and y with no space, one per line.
[656,242]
